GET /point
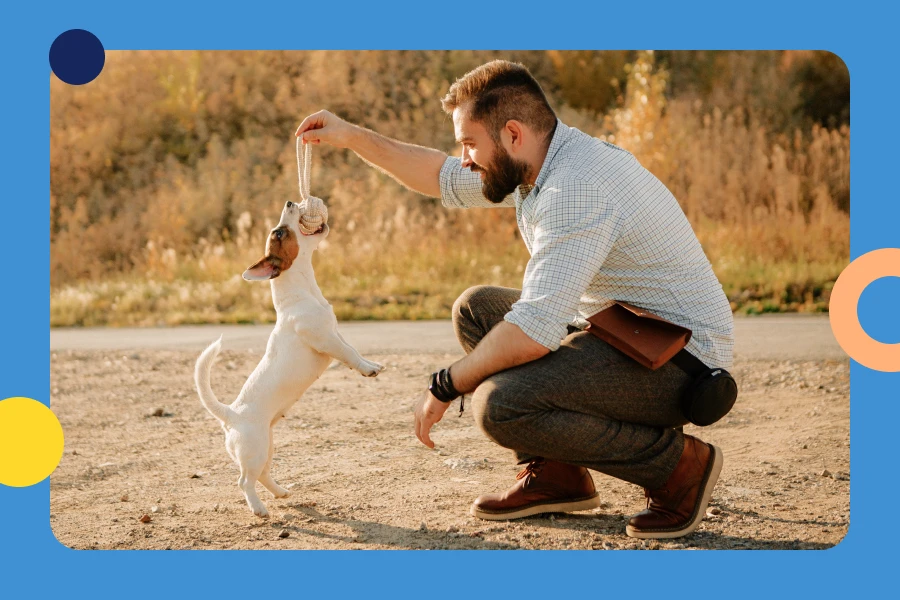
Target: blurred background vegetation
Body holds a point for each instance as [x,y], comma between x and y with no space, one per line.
[168,170]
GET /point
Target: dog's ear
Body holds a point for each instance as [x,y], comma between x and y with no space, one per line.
[264,269]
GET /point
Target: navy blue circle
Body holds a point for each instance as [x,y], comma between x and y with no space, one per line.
[77,56]
[877,310]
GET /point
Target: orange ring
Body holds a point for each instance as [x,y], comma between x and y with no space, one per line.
[844,303]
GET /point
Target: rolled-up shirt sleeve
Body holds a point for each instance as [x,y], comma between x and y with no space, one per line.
[575,227]
[461,187]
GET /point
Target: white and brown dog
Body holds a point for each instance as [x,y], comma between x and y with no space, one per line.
[301,347]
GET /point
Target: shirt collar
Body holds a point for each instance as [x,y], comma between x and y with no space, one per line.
[560,135]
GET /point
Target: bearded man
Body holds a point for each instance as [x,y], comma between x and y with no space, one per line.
[599,228]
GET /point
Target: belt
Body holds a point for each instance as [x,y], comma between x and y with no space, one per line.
[689,363]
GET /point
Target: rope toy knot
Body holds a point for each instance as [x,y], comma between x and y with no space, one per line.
[313,213]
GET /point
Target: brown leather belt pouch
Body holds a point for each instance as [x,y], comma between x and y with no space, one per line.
[645,337]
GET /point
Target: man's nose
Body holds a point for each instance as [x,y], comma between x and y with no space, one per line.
[466,159]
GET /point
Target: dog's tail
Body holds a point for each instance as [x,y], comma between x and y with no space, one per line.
[220,411]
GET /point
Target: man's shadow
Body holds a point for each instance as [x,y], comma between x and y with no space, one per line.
[371,532]
[614,525]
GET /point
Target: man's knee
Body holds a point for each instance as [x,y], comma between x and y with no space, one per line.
[472,297]
[469,318]
[496,406]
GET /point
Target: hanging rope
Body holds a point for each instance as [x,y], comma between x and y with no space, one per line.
[313,213]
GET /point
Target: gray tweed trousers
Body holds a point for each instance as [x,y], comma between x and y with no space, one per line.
[584,404]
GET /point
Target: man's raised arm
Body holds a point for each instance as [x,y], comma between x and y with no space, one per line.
[415,167]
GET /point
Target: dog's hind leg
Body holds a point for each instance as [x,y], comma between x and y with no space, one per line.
[265,477]
[247,482]
[252,458]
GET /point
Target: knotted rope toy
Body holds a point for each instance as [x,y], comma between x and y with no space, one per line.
[313,213]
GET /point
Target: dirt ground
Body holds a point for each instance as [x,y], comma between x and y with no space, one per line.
[139,443]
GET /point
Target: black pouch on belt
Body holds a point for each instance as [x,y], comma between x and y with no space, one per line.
[711,394]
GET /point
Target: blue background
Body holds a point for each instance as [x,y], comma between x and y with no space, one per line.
[31,560]
[878,310]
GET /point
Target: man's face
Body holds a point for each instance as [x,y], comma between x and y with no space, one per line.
[500,172]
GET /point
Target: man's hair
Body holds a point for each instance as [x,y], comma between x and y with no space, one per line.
[501,91]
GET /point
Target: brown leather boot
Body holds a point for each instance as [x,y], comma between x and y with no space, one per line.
[677,508]
[543,486]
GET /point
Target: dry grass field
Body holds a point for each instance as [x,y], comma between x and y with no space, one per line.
[168,170]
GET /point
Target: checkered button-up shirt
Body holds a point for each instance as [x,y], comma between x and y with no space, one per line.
[600,227]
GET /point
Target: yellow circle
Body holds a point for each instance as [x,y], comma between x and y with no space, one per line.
[31,442]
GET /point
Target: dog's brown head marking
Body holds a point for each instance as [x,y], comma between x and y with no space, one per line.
[281,251]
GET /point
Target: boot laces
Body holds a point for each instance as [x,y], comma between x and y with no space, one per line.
[531,469]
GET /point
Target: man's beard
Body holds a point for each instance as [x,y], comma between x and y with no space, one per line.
[503,176]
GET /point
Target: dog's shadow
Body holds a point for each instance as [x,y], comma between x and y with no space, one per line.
[380,534]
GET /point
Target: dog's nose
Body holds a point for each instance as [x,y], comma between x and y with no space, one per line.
[289,204]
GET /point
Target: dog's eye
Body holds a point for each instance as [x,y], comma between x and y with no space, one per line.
[278,233]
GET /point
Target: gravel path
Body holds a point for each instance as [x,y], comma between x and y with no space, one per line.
[139,443]
[767,337]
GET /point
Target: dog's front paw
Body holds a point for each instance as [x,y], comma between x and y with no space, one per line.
[369,368]
[260,511]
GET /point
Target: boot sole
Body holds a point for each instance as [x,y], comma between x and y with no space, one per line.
[709,482]
[586,503]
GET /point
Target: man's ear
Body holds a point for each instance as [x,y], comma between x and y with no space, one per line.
[264,269]
[513,129]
